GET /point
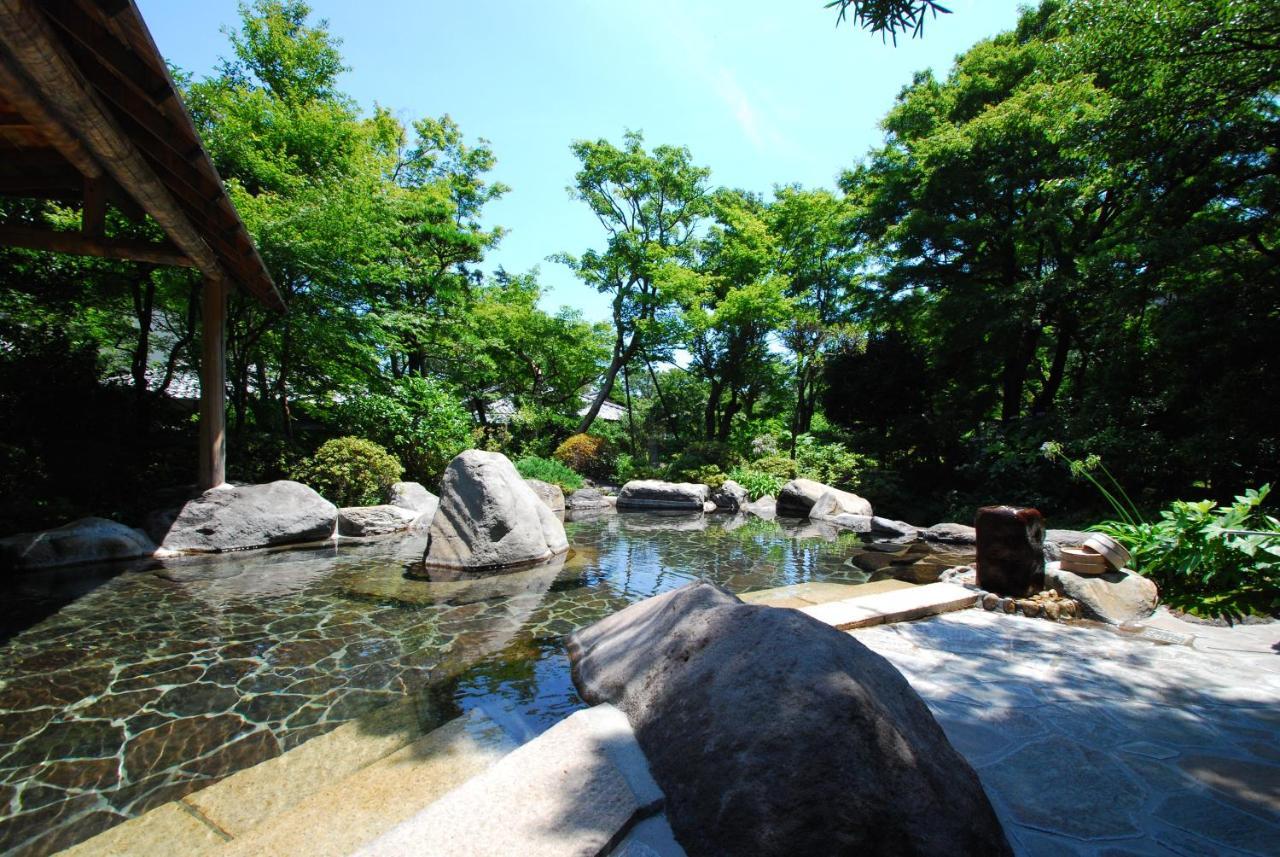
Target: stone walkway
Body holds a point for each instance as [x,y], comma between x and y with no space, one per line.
[1091,742]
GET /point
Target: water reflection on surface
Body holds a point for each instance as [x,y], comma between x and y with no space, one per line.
[121,690]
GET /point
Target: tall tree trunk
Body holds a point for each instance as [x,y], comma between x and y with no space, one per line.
[662,399]
[143,288]
[1017,362]
[1057,370]
[621,356]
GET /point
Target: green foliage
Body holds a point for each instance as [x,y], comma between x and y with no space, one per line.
[418,419]
[756,482]
[830,463]
[350,471]
[708,474]
[549,470]
[776,465]
[888,17]
[587,454]
[1208,559]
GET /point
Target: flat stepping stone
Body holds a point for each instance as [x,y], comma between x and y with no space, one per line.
[574,790]
[899,605]
[820,592]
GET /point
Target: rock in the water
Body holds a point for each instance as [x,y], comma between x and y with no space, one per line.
[856,523]
[1010,550]
[656,494]
[238,517]
[1115,597]
[951,534]
[730,496]
[550,494]
[891,529]
[766,507]
[413,496]
[489,517]
[587,498]
[374,520]
[772,733]
[85,540]
[801,498]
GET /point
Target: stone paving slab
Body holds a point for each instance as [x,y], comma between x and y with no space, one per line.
[1093,742]
[575,790]
[895,606]
[349,813]
[819,592]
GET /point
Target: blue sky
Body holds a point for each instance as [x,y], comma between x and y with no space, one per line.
[763,92]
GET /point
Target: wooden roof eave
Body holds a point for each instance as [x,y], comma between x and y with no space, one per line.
[49,89]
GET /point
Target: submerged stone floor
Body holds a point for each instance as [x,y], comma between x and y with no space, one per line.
[1092,742]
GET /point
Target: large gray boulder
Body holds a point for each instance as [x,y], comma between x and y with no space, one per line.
[374,520]
[1115,597]
[239,517]
[804,498]
[766,507]
[656,494]
[85,540]
[489,518]
[951,534]
[550,494]
[772,733]
[413,496]
[730,496]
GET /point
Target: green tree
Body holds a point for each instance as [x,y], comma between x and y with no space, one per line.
[650,205]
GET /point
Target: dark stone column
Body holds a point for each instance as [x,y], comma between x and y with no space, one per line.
[1010,550]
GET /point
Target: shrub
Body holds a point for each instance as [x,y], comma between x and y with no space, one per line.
[586,453]
[349,471]
[708,474]
[830,463]
[756,483]
[549,470]
[537,430]
[1206,559]
[624,468]
[418,420]
[777,465]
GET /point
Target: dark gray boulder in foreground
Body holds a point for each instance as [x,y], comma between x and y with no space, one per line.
[772,733]
[85,540]
[239,517]
[656,494]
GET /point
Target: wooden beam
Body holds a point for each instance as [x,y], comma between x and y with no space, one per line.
[93,216]
[33,46]
[79,244]
[18,91]
[213,386]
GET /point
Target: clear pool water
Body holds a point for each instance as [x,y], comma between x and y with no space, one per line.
[121,690]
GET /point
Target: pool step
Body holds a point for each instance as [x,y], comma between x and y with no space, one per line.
[343,815]
[349,775]
[583,787]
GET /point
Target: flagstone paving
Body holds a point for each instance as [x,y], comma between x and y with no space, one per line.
[1092,742]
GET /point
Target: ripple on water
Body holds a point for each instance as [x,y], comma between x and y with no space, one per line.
[166,678]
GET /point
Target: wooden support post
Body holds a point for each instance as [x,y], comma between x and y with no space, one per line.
[93,216]
[213,384]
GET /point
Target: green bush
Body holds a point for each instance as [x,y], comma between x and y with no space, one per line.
[708,474]
[350,471]
[756,483]
[777,465]
[1200,559]
[830,463]
[586,453]
[538,430]
[549,470]
[418,419]
[624,468]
